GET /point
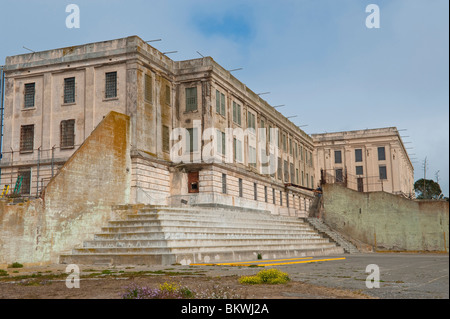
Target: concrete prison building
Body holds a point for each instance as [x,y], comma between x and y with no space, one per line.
[198,135]
[365,160]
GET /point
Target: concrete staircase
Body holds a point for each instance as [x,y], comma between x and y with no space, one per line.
[163,235]
[326,231]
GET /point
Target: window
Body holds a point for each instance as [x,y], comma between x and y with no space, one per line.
[26,138]
[29,95]
[273,196]
[241,191]
[280,168]
[296,176]
[339,176]
[359,170]
[224,183]
[265,194]
[358,155]
[307,180]
[191,99]
[281,198]
[251,121]
[381,154]
[286,171]
[220,103]
[252,156]
[337,157]
[25,174]
[303,179]
[383,172]
[111,85]
[301,152]
[237,145]
[283,142]
[67,134]
[255,191]
[69,90]
[191,140]
[287,199]
[167,94]
[236,113]
[291,169]
[312,181]
[221,142]
[291,149]
[166,139]
[148,88]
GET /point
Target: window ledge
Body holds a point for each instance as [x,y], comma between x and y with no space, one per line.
[29,108]
[26,152]
[69,104]
[106,99]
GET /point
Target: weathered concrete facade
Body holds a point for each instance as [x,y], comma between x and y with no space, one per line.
[386,221]
[368,160]
[159,95]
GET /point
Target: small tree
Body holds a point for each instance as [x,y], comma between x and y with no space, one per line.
[427,189]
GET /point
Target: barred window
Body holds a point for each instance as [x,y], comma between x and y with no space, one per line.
[111,85]
[255,191]
[273,196]
[191,99]
[236,113]
[280,168]
[221,146]
[291,168]
[383,172]
[67,133]
[148,88]
[286,172]
[381,154]
[251,121]
[241,188]
[25,174]
[339,176]
[220,103]
[337,157]
[26,138]
[191,140]
[29,95]
[265,194]
[69,90]
[358,155]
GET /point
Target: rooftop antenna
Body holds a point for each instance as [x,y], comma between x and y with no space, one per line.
[168,52]
[263,93]
[29,49]
[235,69]
[437,176]
[290,117]
[276,106]
[200,54]
[153,40]
[299,126]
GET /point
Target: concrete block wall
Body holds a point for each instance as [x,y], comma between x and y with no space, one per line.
[386,221]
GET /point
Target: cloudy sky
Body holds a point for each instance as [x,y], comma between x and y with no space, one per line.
[315,56]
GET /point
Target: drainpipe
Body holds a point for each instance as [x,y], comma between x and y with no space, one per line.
[2,94]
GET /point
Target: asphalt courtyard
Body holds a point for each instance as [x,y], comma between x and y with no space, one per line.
[401,275]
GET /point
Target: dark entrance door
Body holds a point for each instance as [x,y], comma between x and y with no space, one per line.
[360,184]
[193,182]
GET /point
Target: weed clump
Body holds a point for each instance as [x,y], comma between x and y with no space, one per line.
[267,276]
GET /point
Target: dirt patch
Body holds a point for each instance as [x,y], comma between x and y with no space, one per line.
[112,283]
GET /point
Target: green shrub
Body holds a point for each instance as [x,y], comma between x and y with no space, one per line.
[3,272]
[15,265]
[266,276]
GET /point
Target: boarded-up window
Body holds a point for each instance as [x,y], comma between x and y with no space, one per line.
[29,95]
[166,139]
[69,90]
[280,168]
[25,174]
[26,138]
[148,88]
[167,95]
[110,85]
[224,183]
[67,133]
[221,146]
[191,99]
